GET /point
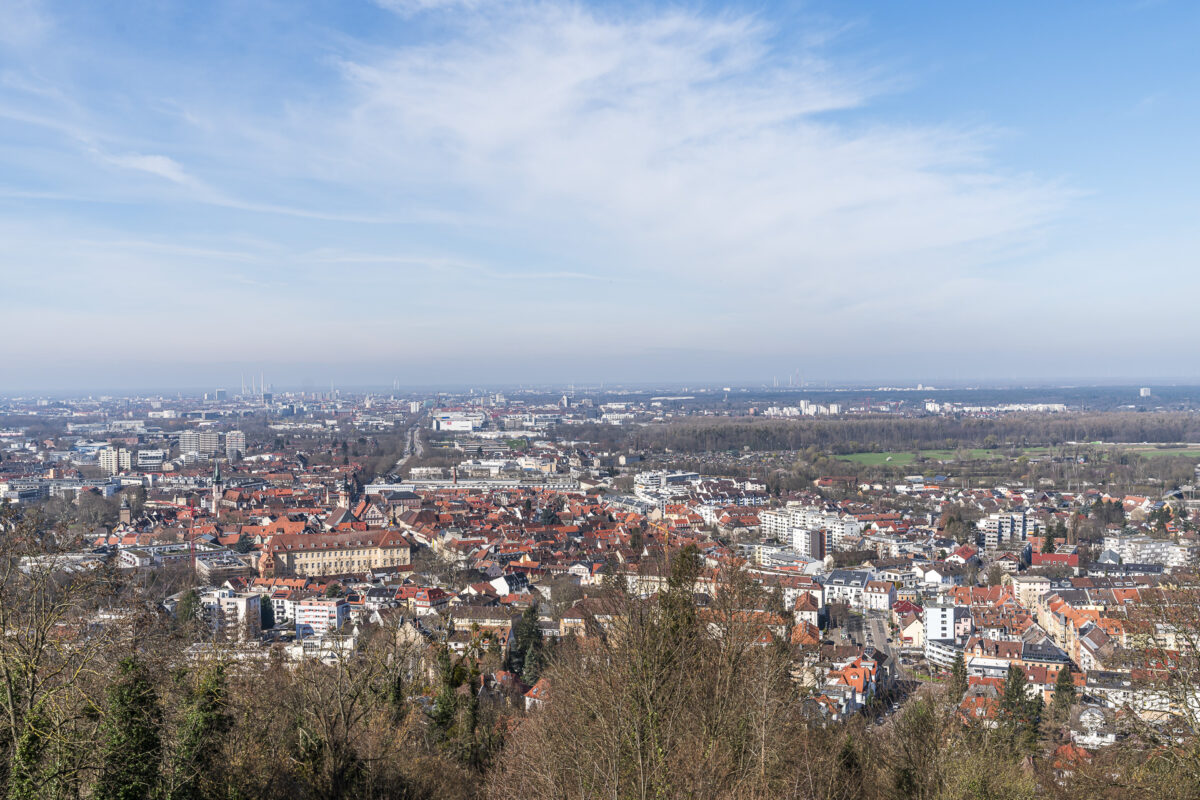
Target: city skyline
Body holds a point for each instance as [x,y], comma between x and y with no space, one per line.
[533,192]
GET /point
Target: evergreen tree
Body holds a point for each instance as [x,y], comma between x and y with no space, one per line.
[525,657]
[267,613]
[189,607]
[25,762]
[445,705]
[958,679]
[1020,714]
[204,721]
[130,737]
[1064,694]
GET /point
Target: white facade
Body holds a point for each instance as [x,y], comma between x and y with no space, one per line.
[235,445]
[203,442]
[1000,529]
[780,523]
[939,623]
[1143,549]
[318,617]
[114,460]
[808,543]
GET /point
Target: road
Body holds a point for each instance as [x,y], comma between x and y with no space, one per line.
[413,447]
[876,633]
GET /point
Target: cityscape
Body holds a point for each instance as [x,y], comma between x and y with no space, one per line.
[546,399]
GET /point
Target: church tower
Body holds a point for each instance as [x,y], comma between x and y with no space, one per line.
[216,487]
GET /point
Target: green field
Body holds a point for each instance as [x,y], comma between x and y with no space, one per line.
[902,458]
[1155,452]
[875,459]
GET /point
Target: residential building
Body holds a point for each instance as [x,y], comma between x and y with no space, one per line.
[321,616]
[235,445]
[113,460]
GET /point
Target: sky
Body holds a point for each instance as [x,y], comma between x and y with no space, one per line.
[472,191]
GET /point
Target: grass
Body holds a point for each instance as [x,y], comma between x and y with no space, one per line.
[875,459]
[1156,452]
[903,458]
[898,458]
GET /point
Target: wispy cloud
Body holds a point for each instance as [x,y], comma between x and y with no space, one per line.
[161,166]
[408,8]
[449,264]
[23,23]
[706,160]
[685,141]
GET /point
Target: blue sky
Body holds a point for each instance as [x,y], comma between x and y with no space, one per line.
[492,191]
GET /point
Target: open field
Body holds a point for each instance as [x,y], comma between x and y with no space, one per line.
[901,458]
[898,458]
[1158,452]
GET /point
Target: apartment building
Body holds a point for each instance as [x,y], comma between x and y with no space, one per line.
[202,442]
[1142,549]
[151,459]
[839,528]
[847,586]
[809,543]
[113,460]
[321,616]
[236,615]
[235,445]
[1003,528]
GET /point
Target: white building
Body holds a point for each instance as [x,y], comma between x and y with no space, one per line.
[1001,529]
[114,460]
[151,459]
[237,614]
[808,543]
[939,622]
[202,442]
[879,596]
[847,586]
[235,445]
[1141,549]
[321,616]
[780,523]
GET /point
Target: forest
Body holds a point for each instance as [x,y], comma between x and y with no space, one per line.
[880,433]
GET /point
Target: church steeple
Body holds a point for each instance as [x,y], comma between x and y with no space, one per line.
[216,486]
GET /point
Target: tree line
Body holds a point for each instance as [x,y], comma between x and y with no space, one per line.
[885,434]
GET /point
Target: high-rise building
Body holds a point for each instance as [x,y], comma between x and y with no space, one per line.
[114,460]
[210,442]
[204,442]
[189,442]
[235,445]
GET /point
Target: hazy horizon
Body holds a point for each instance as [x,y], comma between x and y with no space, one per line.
[711,386]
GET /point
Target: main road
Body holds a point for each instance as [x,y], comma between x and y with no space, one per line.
[413,446]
